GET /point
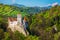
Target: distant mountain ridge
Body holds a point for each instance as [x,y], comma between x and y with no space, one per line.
[31,9]
[18,5]
[14,9]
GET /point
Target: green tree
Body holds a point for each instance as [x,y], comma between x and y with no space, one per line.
[1,34]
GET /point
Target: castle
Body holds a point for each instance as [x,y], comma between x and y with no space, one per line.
[18,24]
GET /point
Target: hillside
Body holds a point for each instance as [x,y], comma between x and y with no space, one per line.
[47,22]
[44,25]
[13,10]
[8,10]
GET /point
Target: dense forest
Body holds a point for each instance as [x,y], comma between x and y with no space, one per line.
[44,25]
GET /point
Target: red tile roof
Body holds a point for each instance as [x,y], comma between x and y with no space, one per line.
[12,19]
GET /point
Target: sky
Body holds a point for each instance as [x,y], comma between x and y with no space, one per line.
[40,3]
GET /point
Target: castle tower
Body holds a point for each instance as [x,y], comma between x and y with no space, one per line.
[24,22]
[19,19]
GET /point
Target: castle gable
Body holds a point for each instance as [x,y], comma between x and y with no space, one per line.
[12,19]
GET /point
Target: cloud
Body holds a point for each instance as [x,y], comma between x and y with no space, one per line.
[56,3]
[53,4]
[13,1]
[48,5]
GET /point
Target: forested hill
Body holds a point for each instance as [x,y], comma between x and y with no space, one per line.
[8,10]
[48,18]
[13,10]
[43,23]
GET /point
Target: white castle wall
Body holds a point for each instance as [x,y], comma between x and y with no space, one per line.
[17,25]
